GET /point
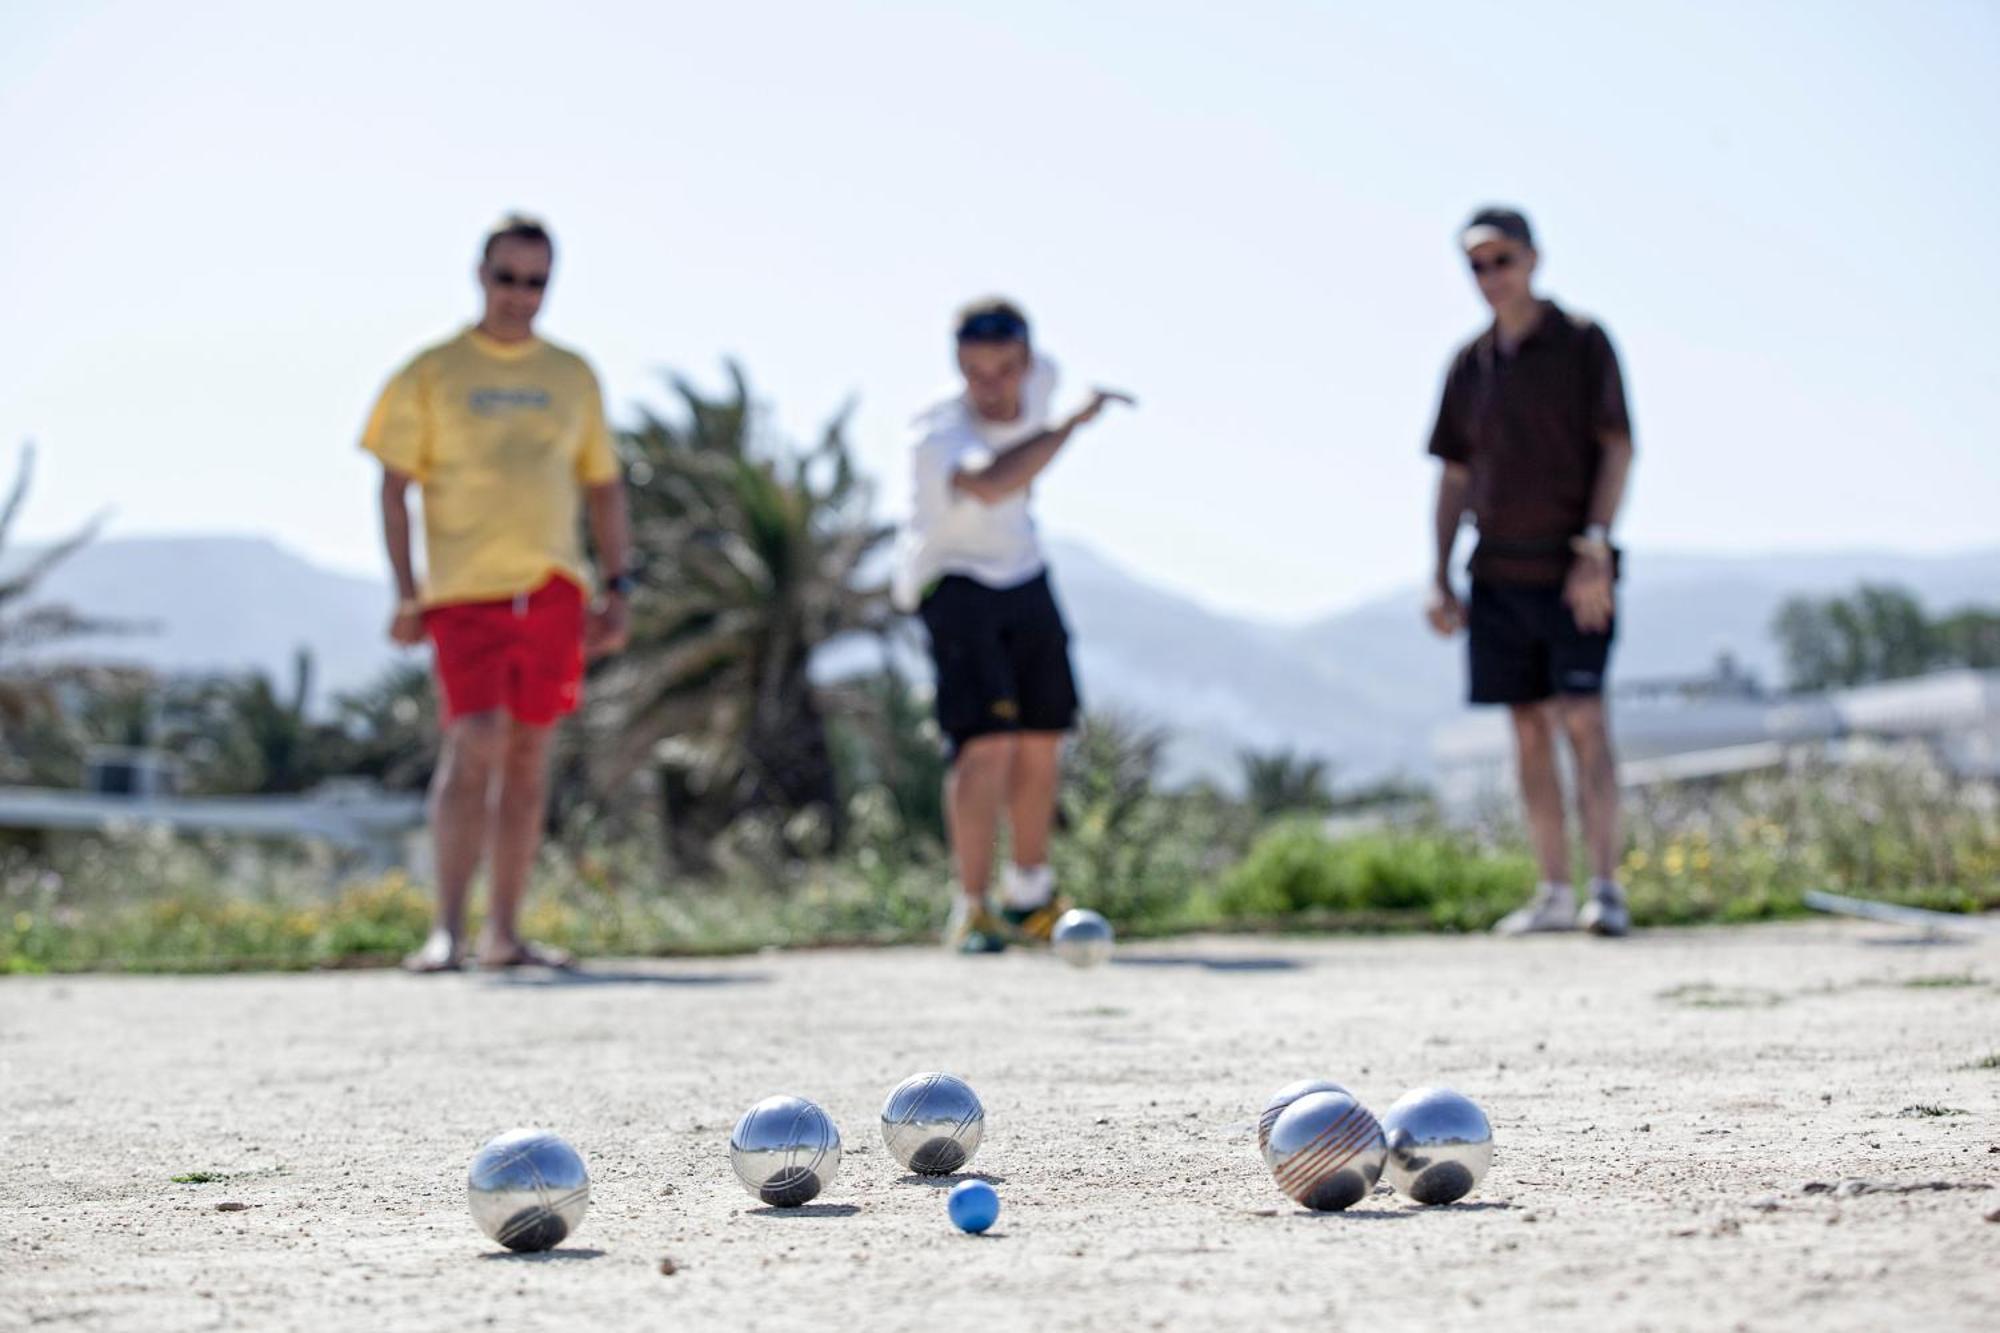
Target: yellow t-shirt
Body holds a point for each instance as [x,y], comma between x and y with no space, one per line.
[503,438]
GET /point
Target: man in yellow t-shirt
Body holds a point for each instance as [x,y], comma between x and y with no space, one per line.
[504,435]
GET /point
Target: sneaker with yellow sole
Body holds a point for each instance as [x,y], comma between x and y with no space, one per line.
[971,928]
[1036,924]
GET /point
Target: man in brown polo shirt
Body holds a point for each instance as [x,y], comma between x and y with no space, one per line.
[1536,445]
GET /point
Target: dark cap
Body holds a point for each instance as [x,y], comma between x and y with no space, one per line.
[1496,224]
[993,320]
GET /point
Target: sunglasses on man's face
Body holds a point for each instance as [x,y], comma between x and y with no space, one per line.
[531,282]
[1506,259]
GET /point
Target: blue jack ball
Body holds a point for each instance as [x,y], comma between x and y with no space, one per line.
[974,1205]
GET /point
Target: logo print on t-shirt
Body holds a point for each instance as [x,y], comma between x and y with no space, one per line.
[493,402]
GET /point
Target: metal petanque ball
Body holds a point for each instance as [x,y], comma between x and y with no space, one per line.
[1326,1151]
[1440,1144]
[1082,938]
[933,1123]
[1284,1097]
[973,1206]
[785,1151]
[528,1189]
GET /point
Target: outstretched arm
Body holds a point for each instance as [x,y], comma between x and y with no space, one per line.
[1016,468]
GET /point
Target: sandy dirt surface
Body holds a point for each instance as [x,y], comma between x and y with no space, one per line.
[1669,1111]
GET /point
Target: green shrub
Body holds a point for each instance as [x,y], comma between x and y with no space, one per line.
[1297,871]
[1154,862]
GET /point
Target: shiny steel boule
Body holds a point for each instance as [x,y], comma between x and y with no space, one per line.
[1440,1144]
[933,1123]
[785,1151]
[1081,938]
[1326,1151]
[528,1189]
[1284,1097]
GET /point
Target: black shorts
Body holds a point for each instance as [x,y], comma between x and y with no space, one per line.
[1002,658]
[1525,646]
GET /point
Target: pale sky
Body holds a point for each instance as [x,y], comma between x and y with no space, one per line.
[225,224]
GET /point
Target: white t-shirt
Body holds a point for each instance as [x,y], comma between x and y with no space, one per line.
[949,531]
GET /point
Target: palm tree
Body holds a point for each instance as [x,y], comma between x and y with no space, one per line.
[755,557]
[1284,781]
[390,729]
[25,628]
[283,747]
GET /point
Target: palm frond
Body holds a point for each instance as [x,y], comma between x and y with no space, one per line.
[756,550]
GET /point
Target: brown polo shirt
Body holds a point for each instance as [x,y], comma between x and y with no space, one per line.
[1529,425]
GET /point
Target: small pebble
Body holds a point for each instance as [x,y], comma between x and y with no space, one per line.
[230,1206]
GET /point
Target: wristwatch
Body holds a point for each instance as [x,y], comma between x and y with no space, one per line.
[1594,544]
[620,583]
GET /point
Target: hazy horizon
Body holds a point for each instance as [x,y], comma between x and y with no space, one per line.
[1068,545]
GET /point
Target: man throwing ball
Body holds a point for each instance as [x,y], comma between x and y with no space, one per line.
[1536,445]
[973,568]
[504,435]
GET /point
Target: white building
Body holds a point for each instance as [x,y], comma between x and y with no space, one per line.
[1697,731]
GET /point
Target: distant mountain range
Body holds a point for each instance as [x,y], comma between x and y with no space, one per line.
[1363,687]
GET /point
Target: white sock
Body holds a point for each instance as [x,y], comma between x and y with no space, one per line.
[1553,889]
[1024,888]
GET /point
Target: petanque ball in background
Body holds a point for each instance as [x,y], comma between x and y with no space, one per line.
[1284,1097]
[785,1151]
[974,1205]
[1326,1151]
[1082,938]
[932,1123]
[528,1189]
[1440,1144]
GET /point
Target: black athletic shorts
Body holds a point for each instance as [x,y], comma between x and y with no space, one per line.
[1526,647]
[1002,658]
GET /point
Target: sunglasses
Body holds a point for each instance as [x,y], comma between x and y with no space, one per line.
[1506,259]
[507,277]
[993,326]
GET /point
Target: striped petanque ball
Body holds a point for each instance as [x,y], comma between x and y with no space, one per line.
[1326,1151]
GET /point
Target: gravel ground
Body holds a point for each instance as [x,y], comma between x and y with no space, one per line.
[1713,1129]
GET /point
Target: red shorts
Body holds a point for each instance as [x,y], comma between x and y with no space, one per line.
[524,654]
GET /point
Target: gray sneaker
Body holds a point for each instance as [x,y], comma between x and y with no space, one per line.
[1552,908]
[1606,913]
